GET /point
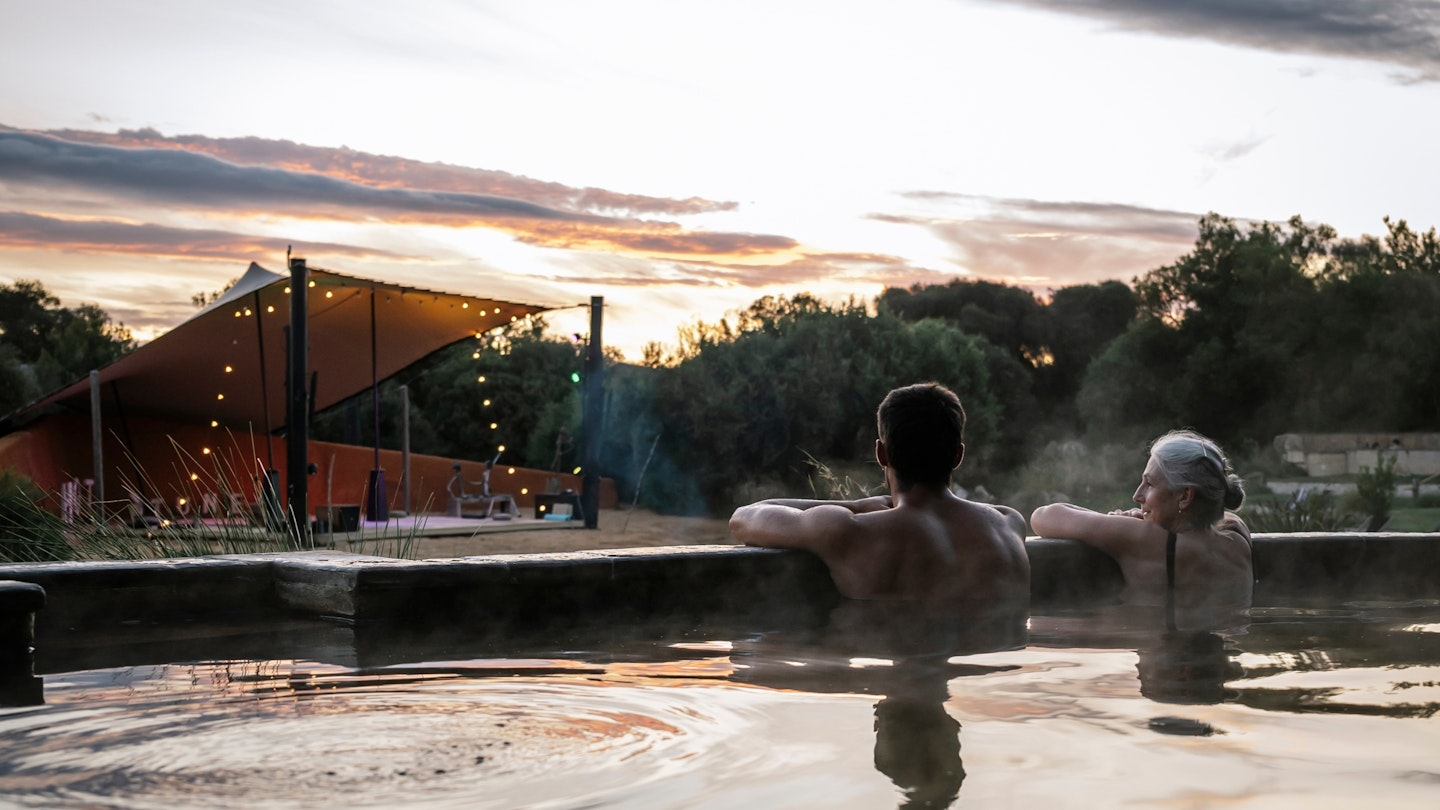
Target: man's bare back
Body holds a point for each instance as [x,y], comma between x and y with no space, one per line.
[925,546]
[919,542]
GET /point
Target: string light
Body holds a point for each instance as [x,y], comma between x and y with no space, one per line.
[194,476]
[511,471]
[486,403]
[575,471]
[501,448]
[331,294]
[205,451]
[214,423]
[494,425]
[219,396]
[524,490]
[481,378]
[229,369]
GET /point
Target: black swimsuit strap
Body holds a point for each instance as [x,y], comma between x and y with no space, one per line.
[1170,561]
[1170,582]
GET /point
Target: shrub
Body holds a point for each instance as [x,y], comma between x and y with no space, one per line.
[1305,511]
[28,532]
[1375,491]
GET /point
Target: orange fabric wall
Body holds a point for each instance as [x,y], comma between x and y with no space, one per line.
[171,462]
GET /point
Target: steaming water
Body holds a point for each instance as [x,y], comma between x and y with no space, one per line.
[1313,707]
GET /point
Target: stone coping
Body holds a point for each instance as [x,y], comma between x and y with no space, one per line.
[539,589]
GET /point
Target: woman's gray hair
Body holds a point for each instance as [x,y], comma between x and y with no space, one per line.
[1187,459]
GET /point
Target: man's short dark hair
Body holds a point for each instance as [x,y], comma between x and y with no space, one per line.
[923,428]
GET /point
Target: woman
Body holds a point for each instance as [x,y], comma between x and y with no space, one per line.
[1183,496]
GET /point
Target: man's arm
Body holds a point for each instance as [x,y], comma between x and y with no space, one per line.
[778,525]
[874,503]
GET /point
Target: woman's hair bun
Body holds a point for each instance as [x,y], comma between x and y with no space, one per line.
[1234,491]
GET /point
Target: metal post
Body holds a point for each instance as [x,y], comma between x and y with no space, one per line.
[97,438]
[377,508]
[405,442]
[593,415]
[297,433]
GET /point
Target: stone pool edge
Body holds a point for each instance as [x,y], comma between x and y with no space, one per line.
[556,587]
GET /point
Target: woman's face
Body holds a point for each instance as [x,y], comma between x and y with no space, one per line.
[1157,503]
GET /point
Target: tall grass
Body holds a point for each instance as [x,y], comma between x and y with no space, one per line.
[826,483]
[207,513]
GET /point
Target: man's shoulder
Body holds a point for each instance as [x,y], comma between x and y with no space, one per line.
[997,518]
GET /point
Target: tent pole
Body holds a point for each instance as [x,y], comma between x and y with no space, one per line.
[97,437]
[405,443]
[264,389]
[376,508]
[592,415]
[297,434]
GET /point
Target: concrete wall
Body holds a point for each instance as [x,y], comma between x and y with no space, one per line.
[626,584]
[1326,454]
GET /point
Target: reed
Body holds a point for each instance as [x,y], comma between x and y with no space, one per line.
[206,513]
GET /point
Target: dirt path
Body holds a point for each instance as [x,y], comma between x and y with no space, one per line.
[618,528]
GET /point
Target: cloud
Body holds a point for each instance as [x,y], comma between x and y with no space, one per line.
[35,232]
[1405,33]
[383,171]
[177,178]
[1041,243]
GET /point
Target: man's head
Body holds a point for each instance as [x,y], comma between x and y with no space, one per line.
[922,434]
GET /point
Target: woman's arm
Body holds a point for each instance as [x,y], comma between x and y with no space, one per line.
[1115,534]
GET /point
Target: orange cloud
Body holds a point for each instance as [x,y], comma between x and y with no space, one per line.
[172,178]
[34,232]
[384,171]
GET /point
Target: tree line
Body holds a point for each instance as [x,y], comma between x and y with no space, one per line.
[1260,329]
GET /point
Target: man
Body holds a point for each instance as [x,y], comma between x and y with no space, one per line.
[919,542]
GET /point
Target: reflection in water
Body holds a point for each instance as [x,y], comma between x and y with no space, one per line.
[858,708]
[917,744]
[901,651]
[1187,667]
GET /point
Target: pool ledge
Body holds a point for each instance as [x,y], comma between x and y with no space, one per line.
[541,588]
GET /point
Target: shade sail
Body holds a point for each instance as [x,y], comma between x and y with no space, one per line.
[227,363]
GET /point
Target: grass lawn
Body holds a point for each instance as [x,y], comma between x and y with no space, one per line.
[1414,519]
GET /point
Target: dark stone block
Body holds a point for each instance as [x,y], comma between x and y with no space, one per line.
[1068,571]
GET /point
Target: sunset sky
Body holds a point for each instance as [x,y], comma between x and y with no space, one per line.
[684,159]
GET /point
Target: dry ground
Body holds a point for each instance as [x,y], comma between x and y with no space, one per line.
[618,528]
